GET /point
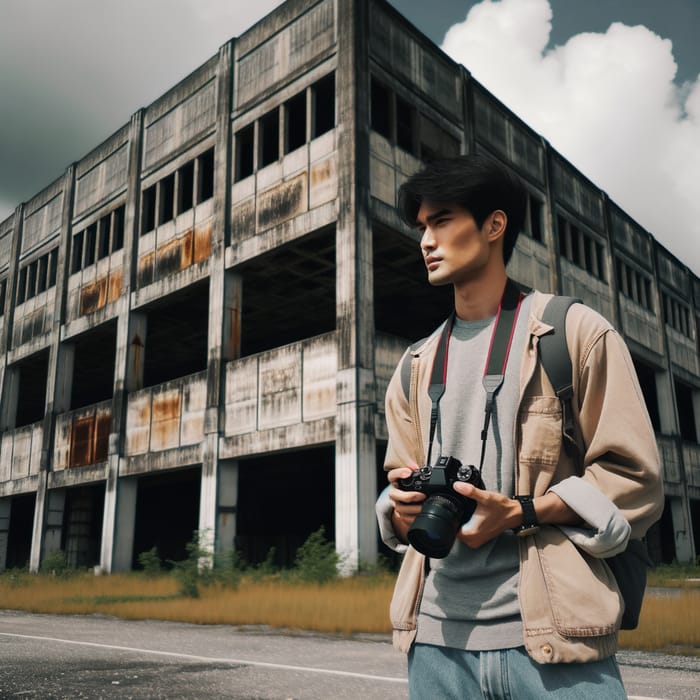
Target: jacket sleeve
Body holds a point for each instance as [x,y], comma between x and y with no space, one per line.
[621,458]
[404,446]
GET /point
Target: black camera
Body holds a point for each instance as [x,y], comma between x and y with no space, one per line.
[444,510]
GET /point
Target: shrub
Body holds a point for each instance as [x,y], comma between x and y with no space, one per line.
[150,562]
[55,564]
[316,560]
[195,568]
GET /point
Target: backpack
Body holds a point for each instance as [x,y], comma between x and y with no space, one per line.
[629,567]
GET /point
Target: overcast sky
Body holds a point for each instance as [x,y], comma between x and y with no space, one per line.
[614,85]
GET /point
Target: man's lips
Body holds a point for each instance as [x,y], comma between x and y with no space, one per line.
[432,262]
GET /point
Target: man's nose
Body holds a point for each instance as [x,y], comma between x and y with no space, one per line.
[427,241]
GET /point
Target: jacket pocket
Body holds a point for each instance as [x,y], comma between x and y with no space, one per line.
[582,592]
[540,424]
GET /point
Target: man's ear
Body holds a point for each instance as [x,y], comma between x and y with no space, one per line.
[496,224]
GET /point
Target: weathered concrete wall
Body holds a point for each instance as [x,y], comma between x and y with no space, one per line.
[286,386]
[166,416]
[20,452]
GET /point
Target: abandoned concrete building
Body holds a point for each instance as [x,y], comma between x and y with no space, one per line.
[200,317]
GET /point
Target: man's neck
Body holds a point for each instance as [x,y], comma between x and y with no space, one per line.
[479,298]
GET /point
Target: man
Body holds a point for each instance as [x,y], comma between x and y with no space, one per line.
[522,606]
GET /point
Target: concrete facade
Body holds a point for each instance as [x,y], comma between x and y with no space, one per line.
[201,316]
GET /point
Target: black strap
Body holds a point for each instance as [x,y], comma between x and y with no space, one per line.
[496,361]
[556,361]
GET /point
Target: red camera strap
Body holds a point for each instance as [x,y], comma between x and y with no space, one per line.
[496,361]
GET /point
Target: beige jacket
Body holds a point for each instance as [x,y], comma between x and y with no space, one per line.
[570,604]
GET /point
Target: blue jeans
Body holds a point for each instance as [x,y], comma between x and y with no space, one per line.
[508,674]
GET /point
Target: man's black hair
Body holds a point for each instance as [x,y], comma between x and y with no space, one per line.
[476,183]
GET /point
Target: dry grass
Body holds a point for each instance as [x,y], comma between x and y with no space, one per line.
[345,606]
[670,619]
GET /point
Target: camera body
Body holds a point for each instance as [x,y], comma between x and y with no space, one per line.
[434,530]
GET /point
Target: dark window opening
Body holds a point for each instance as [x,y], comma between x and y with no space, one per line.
[77,253]
[31,402]
[647,382]
[167,514]
[269,138]
[81,533]
[19,535]
[282,524]
[31,280]
[295,123]
[205,189]
[118,230]
[148,210]
[53,267]
[167,199]
[103,237]
[536,210]
[22,285]
[176,339]
[42,275]
[405,125]
[185,188]
[3,290]
[90,244]
[323,97]
[93,366]
[686,412]
[245,149]
[400,277]
[284,308]
[380,109]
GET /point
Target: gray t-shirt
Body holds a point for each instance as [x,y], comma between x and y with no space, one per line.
[470,600]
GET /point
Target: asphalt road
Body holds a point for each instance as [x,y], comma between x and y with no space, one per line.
[73,657]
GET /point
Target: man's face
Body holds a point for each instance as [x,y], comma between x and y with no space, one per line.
[454,248]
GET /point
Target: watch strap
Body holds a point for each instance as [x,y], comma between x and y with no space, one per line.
[530,524]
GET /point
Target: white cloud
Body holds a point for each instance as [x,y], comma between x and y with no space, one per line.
[606,101]
[73,72]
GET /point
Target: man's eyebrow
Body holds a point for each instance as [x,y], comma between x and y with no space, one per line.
[432,217]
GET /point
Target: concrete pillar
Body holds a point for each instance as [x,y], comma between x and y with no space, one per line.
[355,446]
[124,519]
[5,512]
[120,498]
[682,530]
[667,403]
[223,341]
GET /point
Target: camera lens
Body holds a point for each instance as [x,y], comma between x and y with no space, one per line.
[435,527]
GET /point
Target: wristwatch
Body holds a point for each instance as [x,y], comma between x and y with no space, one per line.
[530,523]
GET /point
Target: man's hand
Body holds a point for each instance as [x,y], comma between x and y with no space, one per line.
[407,504]
[495,513]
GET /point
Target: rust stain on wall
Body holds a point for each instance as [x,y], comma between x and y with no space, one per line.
[145,273]
[282,202]
[89,438]
[168,259]
[202,242]
[93,296]
[165,408]
[115,285]
[186,249]
[322,172]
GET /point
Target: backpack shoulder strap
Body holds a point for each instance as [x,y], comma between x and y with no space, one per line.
[556,361]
